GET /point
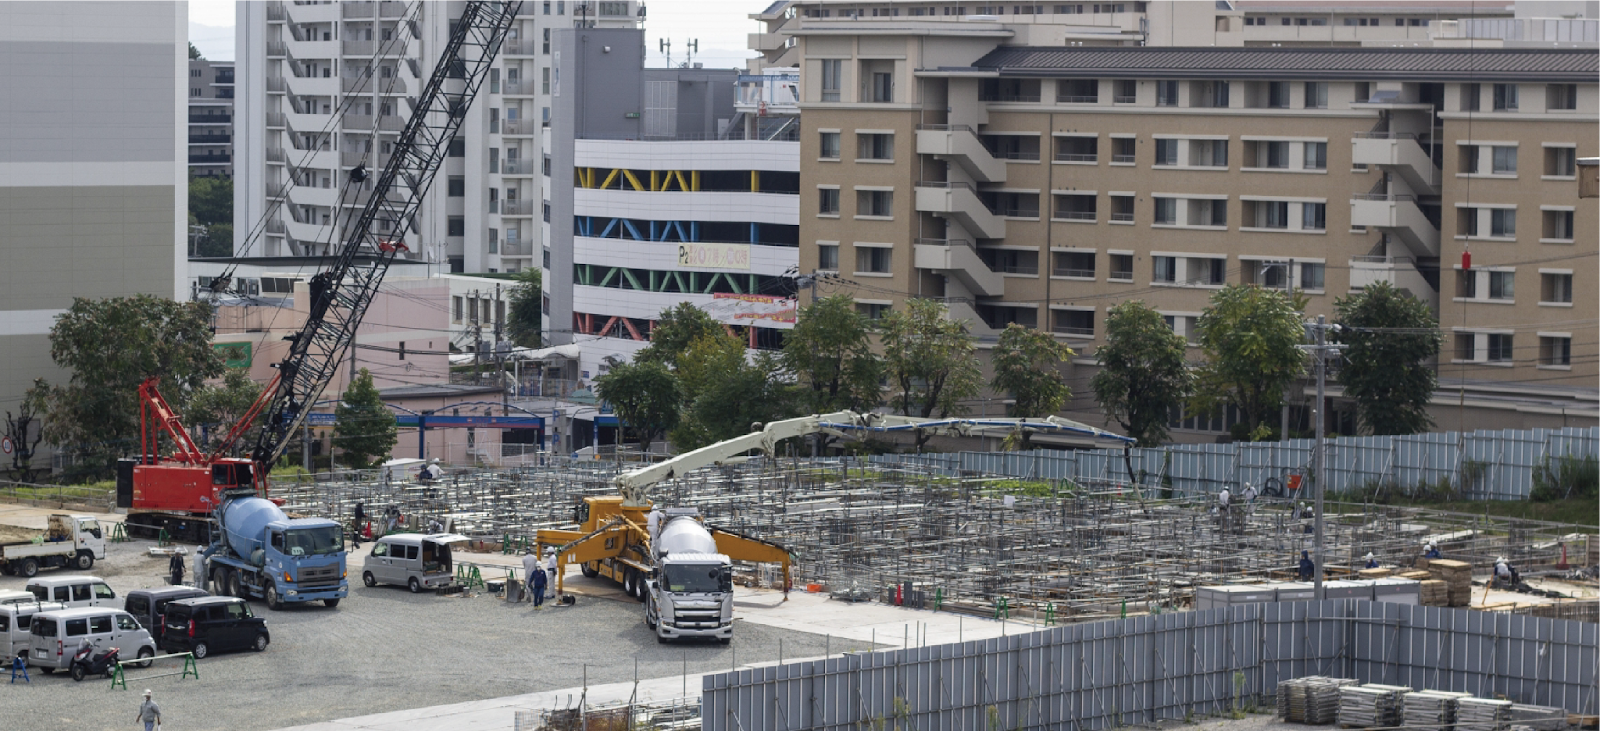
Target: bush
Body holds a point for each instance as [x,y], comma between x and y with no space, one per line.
[1565,478]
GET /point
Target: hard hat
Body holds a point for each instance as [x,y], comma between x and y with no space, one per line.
[147,691]
[435,461]
[1501,559]
[1369,555]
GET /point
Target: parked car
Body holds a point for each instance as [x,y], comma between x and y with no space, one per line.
[73,591]
[8,596]
[16,625]
[57,633]
[148,605]
[412,560]
[204,624]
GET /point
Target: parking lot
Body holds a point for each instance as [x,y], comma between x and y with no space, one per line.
[382,649]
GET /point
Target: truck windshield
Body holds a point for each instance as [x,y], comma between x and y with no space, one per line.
[314,541]
[690,578]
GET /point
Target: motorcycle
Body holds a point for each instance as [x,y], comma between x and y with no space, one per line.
[85,663]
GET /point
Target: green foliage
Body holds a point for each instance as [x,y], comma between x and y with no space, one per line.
[829,352]
[1142,372]
[1565,478]
[1387,373]
[194,53]
[211,206]
[675,330]
[1027,366]
[217,242]
[523,321]
[222,406]
[931,361]
[1249,335]
[645,397]
[726,394]
[362,426]
[110,346]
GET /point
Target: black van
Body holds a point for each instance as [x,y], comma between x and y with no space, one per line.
[212,623]
[147,605]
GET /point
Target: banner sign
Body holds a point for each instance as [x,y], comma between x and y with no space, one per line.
[736,307]
[714,256]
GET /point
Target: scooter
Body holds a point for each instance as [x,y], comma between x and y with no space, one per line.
[86,663]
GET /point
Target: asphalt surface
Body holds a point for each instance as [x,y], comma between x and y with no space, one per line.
[381,649]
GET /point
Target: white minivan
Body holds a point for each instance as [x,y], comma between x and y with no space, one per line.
[412,560]
[56,636]
[16,625]
[73,591]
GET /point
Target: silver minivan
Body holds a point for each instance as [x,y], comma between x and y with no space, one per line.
[56,636]
[412,560]
[16,625]
[73,591]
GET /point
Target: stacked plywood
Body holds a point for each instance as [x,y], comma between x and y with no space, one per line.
[1434,593]
[1482,714]
[1457,576]
[1431,710]
[1313,699]
[1415,574]
[1369,706]
[1375,573]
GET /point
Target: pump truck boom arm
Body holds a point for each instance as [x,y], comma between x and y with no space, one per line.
[340,295]
[634,486]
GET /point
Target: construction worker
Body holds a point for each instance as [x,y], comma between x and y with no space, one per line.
[550,569]
[1372,561]
[1505,574]
[360,521]
[1250,493]
[1308,570]
[175,566]
[537,579]
[530,566]
[1430,551]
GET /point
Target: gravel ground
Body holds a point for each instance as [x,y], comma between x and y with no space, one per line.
[382,649]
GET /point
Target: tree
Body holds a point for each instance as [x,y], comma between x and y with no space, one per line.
[23,431]
[1387,373]
[211,206]
[110,346]
[524,320]
[676,328]
[1249,335]
[1142,372]
[194,53]
[218,408]
[645,397]
[217,242]
[829,352]
[735,395]
[931,361]
[1026,366]
[362,425]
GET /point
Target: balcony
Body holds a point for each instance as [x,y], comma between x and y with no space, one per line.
[358,48]
[518,88]
[520,48]
[519,167]
[961,202]
[372,160]
[209,158]
[1399,215]
[958,258]
[358,9]
[957,143]
[1399,271]
[370,84]
[1400,154]
[277,49]
[309,86]
[518,208]
[276,154]
[390,10]
[210,139]
[275,12]
[515,249]
[387,123]
[766,41]
[519,127]
[275,120]
[214,117]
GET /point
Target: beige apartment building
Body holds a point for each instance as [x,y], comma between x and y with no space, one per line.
[1044,185]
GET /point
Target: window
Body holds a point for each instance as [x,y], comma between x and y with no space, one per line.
[872,310]
[1166,211]
[456,226]
[882,86]
[458,147]
[1074,322]
[1311,276]
[1470,96]
[1125,91]
[545,44]
[1012,205]
[1121,268]
[1122,149]
[828,202]
[1166,93]
[1076,207]
[1012,147]
[1500,350]
[1316,95]
[100,624]
[828,257]
[1208,271]
[1078,91]
[1502,285]
[1272,155]
[1077,149]
[544,80]
[1505,97]
[1278,94]
[1208,153]
[1166,152]
[1164,268]
[1218,94]
[1561,97]
[1558,225]
[875,146]
[1555,351]
[1011,261]
[1074,264]
[1561,161]
[1467,284]
[1122,209]
[874,260]
[830,145]
[874,203]
[1503,222]
[455,315]
[1316,156]
[1505,160]
[1314,216]
[831,71]
[1466,346]
[1270,214]
[456,186]
[1555,288]
[1208,212]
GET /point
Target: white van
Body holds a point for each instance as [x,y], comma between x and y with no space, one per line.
[17,597]
[73,591]
[412,560]
[16,625]
[56,636]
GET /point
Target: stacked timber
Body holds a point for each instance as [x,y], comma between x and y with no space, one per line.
[1457,576]
[1430,710]
[1379,573]
[1538,718]
[1434,593]
[1367,706]
[1313,699]
[1482,714]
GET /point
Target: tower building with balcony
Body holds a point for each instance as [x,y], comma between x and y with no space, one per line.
[324,87]
[210,89]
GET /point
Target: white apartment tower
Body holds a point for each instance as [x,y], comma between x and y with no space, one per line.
[325,86]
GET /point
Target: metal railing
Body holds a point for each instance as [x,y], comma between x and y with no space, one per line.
[521,48]
[1077,157]
[946,128]
[518,167]
[277,84]
[1081,273]
[518,208]
[1122,158]
[1075,215]
[1077,99]
[277,49]
[946,242]
[1390,260]
[212,139]
[1122,99]
[223,118]
[944,184]
[1121,217]
[1391,197]
[1064,330]
[518,127]
[516,87]
[1010,98]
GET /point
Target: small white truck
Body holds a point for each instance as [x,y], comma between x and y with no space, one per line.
[67,540]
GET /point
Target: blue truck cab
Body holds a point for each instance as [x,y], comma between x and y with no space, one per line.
[262,553]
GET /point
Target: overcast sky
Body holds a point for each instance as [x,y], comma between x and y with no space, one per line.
[719,25]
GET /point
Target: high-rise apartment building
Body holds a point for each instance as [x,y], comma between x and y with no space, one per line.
[325,86]
[92,204]
[210,118]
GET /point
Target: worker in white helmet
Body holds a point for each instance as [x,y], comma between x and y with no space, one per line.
[1372,561]
[1505,574]
[1430,551]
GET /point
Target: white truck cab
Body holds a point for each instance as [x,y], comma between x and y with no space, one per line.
[67,540]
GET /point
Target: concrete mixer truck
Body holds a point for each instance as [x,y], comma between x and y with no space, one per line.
[258,551]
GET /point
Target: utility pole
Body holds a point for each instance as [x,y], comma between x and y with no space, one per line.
[1283,427]
[1320,350]
[477,339]
[499,354]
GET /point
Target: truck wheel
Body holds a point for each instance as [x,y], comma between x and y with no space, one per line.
[627,582]
[368,579]
[330,603]
[273,602]
[725,640]
[84,561]
[590,570]
[29,568]
[660,638]
[414,585]
[219,581]
[235,586]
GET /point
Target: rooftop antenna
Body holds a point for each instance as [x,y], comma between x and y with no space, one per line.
[665,45]
[692,47]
